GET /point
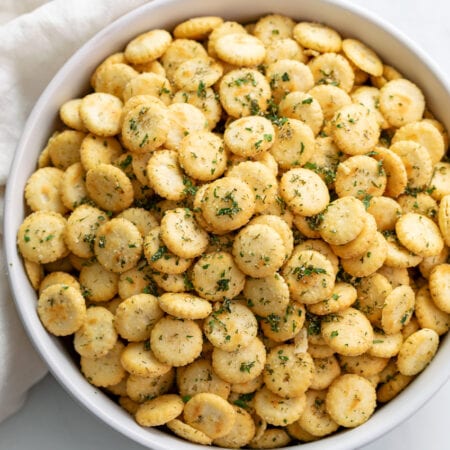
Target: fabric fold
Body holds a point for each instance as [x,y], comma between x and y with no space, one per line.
[36,38]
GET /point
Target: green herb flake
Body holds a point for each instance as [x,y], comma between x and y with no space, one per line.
[159,253]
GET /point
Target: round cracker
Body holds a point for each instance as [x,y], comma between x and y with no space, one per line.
[351,400]
[176,342]
[62,309]
[210,414]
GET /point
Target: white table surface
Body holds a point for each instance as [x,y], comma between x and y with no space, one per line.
[51,419]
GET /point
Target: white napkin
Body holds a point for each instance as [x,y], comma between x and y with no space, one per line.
[35,39]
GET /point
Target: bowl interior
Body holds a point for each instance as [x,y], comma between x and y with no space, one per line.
[72,80]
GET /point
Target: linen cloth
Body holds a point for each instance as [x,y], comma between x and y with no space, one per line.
[36,38]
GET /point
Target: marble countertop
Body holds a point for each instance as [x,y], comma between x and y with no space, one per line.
[51,419]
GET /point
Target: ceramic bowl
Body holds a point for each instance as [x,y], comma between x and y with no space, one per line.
[72,80]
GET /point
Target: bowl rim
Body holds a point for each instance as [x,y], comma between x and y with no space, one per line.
[427,383]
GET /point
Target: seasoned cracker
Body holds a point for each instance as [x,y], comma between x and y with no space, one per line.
[187,432]
[109,187]
[58,278]
[231,326]
[315,419]
[304,191]
[444,218]
[428,264]
[69,112]
[98,284]
[309,275]
[241,365]
[40,237]
[138,359]
[288,373]
[160,258]
[141,389]
[112,78]
[95,150]
[394,167]
[293,145]
[304,107]
[267,295]
[202,155]
[284,48]
[145,127]
[118,245]
[386,345]
[372,292]
[184,306]
[258,250]
[242,432]
[203,99]
[277,410]
[363,57]
[181,233]
[342,221]
[398,309]
[81,230]
[273,27]
[288,75]
[440,180]
[249,136]
[62,309]
[361,244]
[331,99]
[73,187]
[210,414]
[136,316]
[97,336]
[417,162]
[227,204]
[281,227]
[176,342]
[165,175]
[149,83]
[35,272]
[325,371]
[240,49]
[244,92]
[199,376]
[197,27]
[285,324]
[179,51]
[64,148]
[334,69]
[148,46]
[401,102]
[424,133]
[440,286]
[428,314]
[355,130]
[43,190]
[417,351]
[419,234]
[317,36]
[159,410]
[186,119]
[143,220]
[360,176]
[343,296]
[106,370]
[271,438]
[101,113]
[349,333]
[351,400]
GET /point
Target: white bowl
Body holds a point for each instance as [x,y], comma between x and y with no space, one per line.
[72,80]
